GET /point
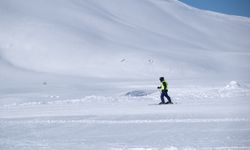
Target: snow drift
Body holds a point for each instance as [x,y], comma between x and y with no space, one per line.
[130,38]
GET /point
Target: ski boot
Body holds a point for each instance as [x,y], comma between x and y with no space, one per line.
[161,103]
[169,102]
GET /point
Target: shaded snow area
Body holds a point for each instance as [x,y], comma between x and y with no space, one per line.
[83,75]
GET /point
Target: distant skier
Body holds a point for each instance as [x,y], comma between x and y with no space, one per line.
[164,91]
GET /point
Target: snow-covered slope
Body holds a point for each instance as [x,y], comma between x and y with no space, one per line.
[82,75]
[122,39]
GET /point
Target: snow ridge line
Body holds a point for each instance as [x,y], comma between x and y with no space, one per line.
[90,121]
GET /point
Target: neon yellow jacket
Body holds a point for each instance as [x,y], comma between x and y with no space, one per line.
[164,85]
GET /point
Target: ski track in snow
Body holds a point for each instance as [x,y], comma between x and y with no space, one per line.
[191,120]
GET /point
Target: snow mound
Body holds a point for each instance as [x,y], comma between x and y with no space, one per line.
[234,85]
[234,89]
[138,93]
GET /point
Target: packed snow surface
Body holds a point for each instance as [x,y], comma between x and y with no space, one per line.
[82,75]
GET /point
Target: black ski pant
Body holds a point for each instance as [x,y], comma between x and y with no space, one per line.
[165,94]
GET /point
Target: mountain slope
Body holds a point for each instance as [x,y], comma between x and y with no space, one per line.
[114,39]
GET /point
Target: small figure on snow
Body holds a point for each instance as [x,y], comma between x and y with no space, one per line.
[164,91]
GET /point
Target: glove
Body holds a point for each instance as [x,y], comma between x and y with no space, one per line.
[158,87]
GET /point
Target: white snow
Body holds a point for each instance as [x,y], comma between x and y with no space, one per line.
[82,74]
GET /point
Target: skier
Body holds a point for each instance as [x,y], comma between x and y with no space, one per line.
[164,91]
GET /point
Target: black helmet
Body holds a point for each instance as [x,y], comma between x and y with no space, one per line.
[161,78]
